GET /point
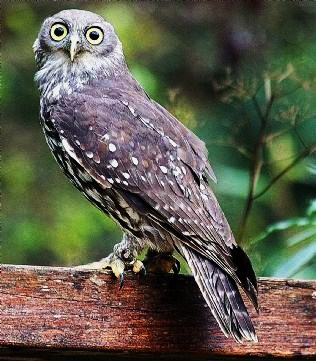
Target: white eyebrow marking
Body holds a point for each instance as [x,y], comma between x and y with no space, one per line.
[113,163]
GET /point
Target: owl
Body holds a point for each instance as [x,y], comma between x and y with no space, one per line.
[138,164]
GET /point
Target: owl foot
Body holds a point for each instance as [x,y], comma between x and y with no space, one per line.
[123,257]
[162,262]
[118,265]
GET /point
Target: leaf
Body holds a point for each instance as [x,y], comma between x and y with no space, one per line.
[281,226]
[301,236]
[296,262]
[312,208]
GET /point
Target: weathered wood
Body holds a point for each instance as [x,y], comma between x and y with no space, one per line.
[62,314]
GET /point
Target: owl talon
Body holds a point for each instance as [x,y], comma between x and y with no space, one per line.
[121,280]
[176,266]
[123,258]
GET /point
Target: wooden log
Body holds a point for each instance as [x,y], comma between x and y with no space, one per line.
[61,314]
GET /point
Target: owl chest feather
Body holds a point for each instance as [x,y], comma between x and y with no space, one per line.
[107,200]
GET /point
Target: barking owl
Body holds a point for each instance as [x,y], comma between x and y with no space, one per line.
[138,164]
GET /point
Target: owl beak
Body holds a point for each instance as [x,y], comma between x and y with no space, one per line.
[74,40]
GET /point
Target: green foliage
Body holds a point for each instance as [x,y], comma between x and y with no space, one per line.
[282,104]
[214,67]
[300,254]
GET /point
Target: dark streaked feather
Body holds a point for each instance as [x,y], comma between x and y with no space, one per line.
[222,296]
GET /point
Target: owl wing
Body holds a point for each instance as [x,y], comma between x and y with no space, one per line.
[126,141]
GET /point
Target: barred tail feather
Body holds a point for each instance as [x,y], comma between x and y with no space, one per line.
[222,296]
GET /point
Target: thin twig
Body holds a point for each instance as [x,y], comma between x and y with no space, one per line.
[308,151]
[229,143]
[256,164]
[272,136]
[258,110]
[299,137]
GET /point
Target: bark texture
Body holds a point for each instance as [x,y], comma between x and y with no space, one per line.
[62,314]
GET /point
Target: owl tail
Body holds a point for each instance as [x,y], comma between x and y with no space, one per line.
[222,296]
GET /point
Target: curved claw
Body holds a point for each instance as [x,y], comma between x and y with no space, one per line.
[121,280]
[176,266]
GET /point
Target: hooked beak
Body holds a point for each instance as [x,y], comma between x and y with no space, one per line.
[74,40]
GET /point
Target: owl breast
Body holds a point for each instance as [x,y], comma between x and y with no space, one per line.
[107,200]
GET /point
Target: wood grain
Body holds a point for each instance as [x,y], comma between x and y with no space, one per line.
[60,313]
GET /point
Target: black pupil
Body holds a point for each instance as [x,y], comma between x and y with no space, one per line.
[94,35]
[59,31]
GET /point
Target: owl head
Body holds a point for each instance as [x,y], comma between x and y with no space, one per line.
[78,40]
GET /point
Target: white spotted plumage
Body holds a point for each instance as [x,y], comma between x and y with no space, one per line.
[113,163]
[89,154]
[137,163]
[135,160]
[112,147]
[163,169]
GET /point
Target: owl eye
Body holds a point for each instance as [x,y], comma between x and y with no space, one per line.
[94,35]
[58,32]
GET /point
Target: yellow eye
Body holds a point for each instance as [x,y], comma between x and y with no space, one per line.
[58,32]
[94,35]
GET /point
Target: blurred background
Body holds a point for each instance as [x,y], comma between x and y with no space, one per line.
[241,75]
